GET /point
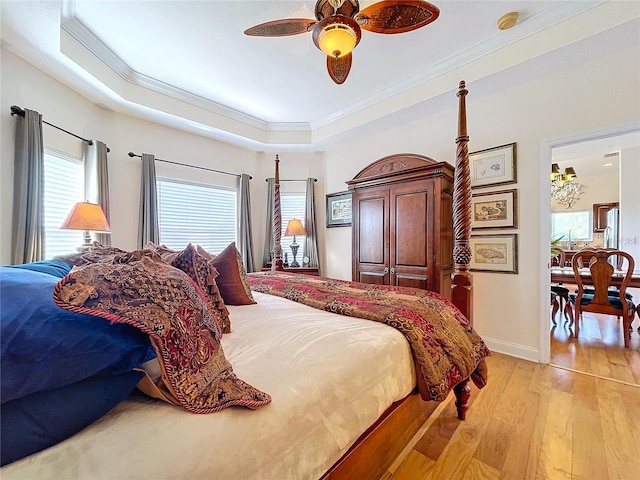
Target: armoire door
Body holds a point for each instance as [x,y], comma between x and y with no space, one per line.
[371,235]
[411,242]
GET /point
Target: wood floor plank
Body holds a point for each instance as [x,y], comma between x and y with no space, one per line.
[556,454]
[478,470]
[494,444]
[599,361]
[455,459]
[415,467]
[506,410]
[621,451]
[522,457]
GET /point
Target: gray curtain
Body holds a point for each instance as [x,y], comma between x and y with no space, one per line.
[311,240]
[268,234]
[96,181]
[148,222]
[28,190]
[246,237]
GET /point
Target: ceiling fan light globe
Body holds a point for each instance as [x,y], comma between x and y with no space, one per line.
[336,36]
[337,40]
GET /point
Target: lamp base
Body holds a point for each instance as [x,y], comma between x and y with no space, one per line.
[86,239]
[294,251]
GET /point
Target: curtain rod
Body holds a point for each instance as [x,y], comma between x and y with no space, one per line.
[15,110]
[293,180]
[131,154]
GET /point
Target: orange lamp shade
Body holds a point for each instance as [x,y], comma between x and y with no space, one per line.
[86,216]
[294,227]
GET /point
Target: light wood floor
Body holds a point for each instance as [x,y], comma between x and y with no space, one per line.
[599,350]
[531,421]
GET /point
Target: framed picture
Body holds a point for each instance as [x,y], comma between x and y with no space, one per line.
[339,209]
[493,166]
[494,209]
[494,253]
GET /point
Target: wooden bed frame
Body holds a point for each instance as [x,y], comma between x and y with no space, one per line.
[376,449]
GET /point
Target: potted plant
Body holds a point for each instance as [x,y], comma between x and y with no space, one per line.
[554,245]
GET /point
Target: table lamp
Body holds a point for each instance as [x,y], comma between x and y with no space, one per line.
[294,227]
[88,217]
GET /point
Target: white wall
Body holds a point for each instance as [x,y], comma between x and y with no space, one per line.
[630,204]
[588,97]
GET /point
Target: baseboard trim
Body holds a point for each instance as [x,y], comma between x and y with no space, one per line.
[512,349]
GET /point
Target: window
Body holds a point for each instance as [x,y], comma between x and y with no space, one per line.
[63,187]
[292,205]
[572,226]
[196,213]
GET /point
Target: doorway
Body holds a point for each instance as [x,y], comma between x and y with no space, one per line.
[602,156]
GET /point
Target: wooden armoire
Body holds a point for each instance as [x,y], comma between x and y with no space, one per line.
[402,208]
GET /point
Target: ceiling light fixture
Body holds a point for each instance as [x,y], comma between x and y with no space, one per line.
[569,175]
[564,188]
[336,35]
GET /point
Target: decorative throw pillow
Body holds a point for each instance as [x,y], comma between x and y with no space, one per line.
[166,304]
[232,282]
[42,419]
[203,273]
[93,254]
[46,347]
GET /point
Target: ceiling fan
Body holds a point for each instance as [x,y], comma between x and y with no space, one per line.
[337,29]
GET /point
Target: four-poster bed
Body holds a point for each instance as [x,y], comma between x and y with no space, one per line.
[300,343]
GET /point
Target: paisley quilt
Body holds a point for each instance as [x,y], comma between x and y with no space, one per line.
[445,347]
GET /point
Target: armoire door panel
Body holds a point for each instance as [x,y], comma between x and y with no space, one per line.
[413,281]
[410,228]
[373,277]
[372,230]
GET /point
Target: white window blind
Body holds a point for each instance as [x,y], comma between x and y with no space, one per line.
[292,205]
[63,187]
[196,213]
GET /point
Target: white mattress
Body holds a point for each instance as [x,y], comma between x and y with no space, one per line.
[330,377]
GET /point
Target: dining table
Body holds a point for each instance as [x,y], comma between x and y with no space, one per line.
[566,275]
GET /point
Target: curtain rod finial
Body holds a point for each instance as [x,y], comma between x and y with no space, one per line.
[131,154]
[16,110]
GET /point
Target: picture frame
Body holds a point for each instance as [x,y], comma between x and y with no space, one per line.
[494,253]
[493,166]
[339,209]
[496,210]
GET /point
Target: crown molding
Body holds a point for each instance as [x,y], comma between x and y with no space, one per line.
[87,39]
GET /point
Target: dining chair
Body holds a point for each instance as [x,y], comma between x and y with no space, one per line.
[595,293]
[616,260]
[560,300]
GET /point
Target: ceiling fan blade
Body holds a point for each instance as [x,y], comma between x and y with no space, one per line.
[339,68]
[397,16]
[281,28]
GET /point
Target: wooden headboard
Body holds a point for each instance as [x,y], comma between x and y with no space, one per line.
[461,279]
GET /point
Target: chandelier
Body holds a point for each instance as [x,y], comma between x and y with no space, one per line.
[564,188]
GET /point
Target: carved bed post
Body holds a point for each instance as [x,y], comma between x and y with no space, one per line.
[462,282]
[276,263]
[461,279]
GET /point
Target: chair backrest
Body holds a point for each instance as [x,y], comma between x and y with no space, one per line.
[601,273]
[615,259]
